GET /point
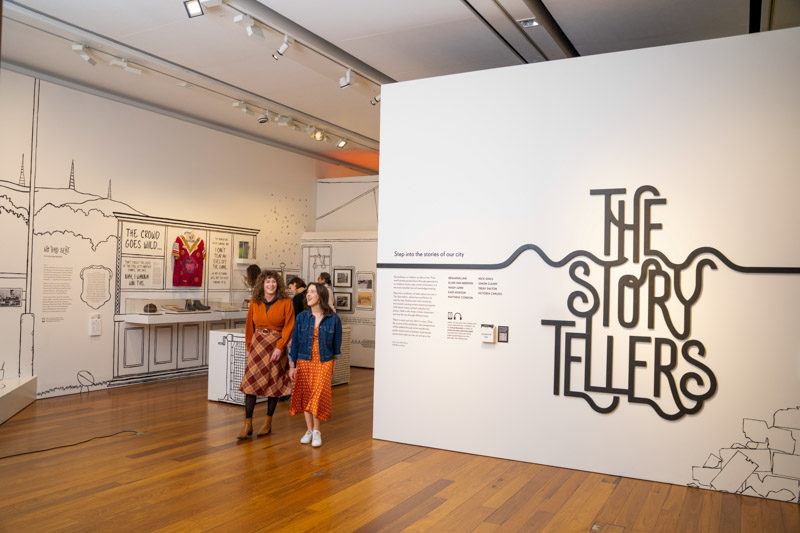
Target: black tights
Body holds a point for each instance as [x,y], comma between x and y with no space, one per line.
[250,405]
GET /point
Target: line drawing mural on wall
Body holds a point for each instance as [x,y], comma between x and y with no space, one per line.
[65,256]
[651,293]
[766,464]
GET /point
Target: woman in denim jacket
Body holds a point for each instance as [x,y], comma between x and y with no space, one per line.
[316,344]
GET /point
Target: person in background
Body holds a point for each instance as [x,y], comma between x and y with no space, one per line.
[316,346]
[250,278]
[270,322]
[325,279]
[298,287]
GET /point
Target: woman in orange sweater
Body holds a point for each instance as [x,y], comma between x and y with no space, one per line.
[270,321]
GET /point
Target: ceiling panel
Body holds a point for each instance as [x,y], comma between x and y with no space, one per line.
[402,40]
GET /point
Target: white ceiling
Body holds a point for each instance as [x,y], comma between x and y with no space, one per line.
[382,41]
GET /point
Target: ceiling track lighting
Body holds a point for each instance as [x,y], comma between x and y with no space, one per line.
[124,65]
[263,118]
[243,107]
[83,52]
[249,25]
[283,121]
[341,143]
[376,100]
[287,42]
[346,80]
[194,8]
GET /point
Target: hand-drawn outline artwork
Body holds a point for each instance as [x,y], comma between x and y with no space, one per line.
[688,389]
[90,292]
[236,352]
[316,260]
[767,464]
[373,191]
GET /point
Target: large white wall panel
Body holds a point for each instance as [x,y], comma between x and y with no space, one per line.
[476,166]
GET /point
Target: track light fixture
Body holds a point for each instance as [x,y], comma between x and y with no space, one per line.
[83,51]
[347,80]
[124,65]
[263,118]
[249,25]
[376,100]
[287,42]
[243,107]
[193,8]
[342,143]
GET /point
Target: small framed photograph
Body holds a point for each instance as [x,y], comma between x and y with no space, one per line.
[365,280]
[342,277]
[343,301]
[10,297]
[365,300]
[290,275]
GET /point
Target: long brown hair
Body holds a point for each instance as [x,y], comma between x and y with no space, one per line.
[258,290]
[322,293]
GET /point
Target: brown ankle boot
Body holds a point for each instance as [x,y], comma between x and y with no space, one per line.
[247,430]
[266,428]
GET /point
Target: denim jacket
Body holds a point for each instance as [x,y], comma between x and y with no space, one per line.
[329,337]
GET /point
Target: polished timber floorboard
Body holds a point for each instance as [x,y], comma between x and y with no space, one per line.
[186,472]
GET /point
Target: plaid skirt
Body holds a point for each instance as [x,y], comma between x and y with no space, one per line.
[262,377]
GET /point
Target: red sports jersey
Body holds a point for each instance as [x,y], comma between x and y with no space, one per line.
[189,257]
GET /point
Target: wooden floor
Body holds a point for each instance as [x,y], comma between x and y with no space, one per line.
[183,470]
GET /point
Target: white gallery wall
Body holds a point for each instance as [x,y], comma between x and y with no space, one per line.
[627,224]
[126,160]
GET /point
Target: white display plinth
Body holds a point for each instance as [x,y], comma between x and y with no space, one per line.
[15,395]
[172,318]
[227,356]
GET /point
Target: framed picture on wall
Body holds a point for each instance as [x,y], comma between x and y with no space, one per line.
[290,275]
[365,295]
[343,301]
[365,280]
[342,277]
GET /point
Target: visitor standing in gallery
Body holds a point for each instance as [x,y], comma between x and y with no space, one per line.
[298,286]
[270,322]
[325,279]
[316,346]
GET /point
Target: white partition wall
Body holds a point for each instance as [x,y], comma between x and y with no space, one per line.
[623,229]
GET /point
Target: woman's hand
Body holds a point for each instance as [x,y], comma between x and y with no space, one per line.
[276,355]
[292,372]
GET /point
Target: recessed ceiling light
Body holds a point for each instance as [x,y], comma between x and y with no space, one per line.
[528,23]
[342,143]
[193,8]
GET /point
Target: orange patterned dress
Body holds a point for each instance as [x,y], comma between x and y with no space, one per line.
[312,385]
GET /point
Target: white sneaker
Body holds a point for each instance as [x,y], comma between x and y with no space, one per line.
[306,438]
[316,439]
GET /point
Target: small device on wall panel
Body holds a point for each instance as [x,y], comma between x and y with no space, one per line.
[95,325]
[488,333]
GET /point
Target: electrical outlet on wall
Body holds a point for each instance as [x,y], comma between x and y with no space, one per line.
[95,325]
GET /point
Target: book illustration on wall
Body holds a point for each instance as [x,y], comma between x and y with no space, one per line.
[643,284]
[766,464]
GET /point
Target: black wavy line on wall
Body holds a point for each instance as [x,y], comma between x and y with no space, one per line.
[583,253]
